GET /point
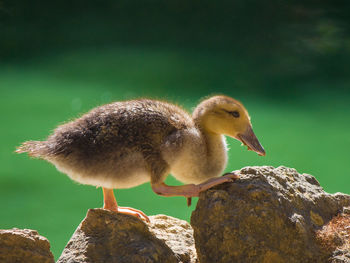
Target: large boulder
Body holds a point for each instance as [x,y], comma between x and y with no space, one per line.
[105,236]
[268,215]
[24,245]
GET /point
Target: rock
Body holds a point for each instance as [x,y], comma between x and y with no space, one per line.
[24,245]
[177,234]
[105,236]
[268,215]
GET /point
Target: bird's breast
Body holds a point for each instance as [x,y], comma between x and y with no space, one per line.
[190,161]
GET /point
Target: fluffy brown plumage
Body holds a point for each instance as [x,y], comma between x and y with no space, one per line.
[124,144]
[98,143]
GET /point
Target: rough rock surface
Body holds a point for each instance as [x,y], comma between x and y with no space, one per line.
[335,237]
[24,245]
[177,234]
[268,215]
[105,236]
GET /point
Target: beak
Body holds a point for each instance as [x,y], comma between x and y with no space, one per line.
[249,139]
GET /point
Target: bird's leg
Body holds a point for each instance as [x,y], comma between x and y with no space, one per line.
[110,203]
[191,190]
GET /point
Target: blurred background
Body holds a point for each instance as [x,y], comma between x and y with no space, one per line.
[287,61]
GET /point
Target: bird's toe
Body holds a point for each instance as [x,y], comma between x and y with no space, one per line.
[233,176]
[133,212]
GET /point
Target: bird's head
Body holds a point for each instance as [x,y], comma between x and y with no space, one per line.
[225,115]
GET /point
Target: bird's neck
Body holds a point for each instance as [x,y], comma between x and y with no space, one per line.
[215,152]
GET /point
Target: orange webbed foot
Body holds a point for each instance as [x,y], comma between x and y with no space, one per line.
[110,203]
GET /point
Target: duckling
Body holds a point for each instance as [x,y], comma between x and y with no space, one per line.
[128,143]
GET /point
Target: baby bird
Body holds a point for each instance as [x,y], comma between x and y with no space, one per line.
[128,143]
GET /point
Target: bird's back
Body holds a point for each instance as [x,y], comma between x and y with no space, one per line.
[118,128]
[114,145]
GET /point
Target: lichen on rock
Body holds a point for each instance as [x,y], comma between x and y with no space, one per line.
[335,237]
[268,215]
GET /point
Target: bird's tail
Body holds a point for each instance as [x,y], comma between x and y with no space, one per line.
[36,149]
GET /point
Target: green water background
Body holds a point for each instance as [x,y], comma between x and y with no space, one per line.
[287,62]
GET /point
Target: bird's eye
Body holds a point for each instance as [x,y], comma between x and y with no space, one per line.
[234,113]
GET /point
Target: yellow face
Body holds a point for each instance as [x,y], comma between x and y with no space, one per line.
[227,116]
